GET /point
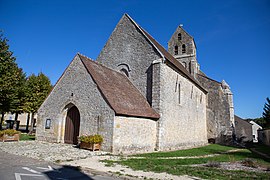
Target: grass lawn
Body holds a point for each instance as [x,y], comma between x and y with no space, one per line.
[154,162]
[26,137]
[211,149]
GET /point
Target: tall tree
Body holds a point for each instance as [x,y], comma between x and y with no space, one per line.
[266,113]
[19,96]
[37,89]
[9,77]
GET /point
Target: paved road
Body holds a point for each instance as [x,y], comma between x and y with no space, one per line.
[13,167]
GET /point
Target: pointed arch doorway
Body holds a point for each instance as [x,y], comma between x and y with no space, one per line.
[72,127]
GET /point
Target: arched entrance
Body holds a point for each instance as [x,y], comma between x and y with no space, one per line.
[72,127]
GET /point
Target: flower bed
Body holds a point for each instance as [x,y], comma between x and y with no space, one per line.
[9,135]
[91,142]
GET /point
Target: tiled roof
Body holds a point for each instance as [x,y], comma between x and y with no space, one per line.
[123,97]
[165,54]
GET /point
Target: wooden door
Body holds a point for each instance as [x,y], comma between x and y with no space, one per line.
[72,127]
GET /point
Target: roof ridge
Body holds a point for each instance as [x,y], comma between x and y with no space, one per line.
[142,31]
[85,56]
[208,78]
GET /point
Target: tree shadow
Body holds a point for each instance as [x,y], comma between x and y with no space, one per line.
[67,172]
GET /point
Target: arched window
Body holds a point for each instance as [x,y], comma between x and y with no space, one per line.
[179,37]
[183,49]
[175,50]
[124,71]
[184,64]
[179,94]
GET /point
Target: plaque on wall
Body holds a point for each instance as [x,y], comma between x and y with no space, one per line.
[48,124]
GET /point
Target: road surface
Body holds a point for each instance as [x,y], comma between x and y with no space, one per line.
[13,167]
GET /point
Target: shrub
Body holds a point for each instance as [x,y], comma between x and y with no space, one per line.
[92,139]
[9,132]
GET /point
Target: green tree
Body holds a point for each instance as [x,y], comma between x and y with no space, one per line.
[10,76]
[19,96]
[266,113]
[259,121]
[37,89]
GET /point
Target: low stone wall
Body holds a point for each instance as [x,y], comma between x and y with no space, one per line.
[134,135]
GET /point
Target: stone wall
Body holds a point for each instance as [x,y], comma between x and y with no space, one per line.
[128,51]
[76,87]
[182,110]
[133,135]
[243,130]
[264,136]
[219,120]
[21,117]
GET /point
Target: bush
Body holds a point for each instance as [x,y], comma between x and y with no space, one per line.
[92,139]
[9,132]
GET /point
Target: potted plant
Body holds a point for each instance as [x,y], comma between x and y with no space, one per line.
[9,135]
[91,142]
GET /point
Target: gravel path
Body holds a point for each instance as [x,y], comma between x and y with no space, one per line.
[53,152]
[124,172]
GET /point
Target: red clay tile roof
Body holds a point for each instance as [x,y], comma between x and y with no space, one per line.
[168,56]
[123,97]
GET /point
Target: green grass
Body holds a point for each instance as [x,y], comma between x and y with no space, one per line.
[230,157]
[26,137]
[210,149]
[154,162]
[209,173]
[179,167]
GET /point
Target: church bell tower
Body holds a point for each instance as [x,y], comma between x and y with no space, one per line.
[182,46]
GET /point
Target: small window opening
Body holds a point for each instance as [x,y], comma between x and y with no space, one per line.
[183,49]
[175,50]
[201,99]
[98,124]
[179,93]
[48,124]
[176,83]
[197,101]
[191,92]
[179,37]
[185,64]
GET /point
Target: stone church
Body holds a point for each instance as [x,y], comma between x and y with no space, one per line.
[138,96]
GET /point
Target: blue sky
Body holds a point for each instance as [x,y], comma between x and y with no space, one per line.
[232,37]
